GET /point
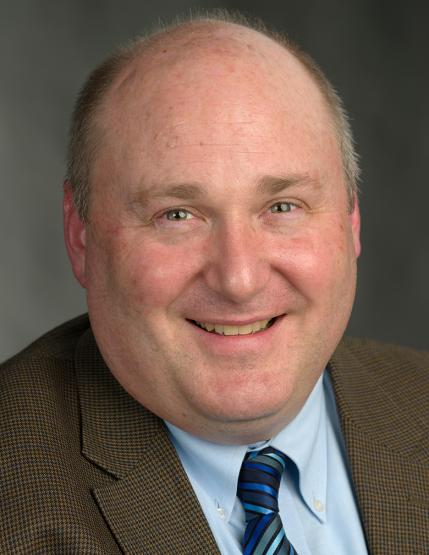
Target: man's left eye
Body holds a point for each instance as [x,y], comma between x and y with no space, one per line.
[282,207]
[178,215]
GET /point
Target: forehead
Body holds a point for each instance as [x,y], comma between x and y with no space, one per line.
[227,92]
[210,63]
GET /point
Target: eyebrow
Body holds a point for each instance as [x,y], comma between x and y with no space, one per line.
[181,191]
[267,185]
[272,185]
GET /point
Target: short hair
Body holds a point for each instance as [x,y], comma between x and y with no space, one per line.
[84,138]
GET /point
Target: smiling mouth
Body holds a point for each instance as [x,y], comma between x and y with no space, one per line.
[223,329]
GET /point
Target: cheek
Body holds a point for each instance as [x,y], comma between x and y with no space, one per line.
[319,260]
[147,274]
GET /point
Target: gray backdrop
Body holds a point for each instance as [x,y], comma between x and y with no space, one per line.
[375,53]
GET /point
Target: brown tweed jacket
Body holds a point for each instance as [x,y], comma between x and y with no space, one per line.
[85,469]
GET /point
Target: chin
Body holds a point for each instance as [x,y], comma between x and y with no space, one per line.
[241,426]
[236,412]
[255,409]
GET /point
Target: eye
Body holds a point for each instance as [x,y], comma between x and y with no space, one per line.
[178,215]
[282,207]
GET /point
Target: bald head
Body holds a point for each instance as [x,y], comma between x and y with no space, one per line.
[202,59]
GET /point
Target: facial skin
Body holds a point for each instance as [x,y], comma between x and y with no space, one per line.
[218,197]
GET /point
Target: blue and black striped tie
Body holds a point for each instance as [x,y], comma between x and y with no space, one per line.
[258,489]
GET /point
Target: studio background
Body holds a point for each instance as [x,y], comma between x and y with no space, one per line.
[374,52]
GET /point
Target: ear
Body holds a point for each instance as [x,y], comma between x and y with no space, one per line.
[74,235]
[355,223]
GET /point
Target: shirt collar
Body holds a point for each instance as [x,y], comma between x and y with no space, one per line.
[217,467]
[304,441]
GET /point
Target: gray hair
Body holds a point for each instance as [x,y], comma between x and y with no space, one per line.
[84,139]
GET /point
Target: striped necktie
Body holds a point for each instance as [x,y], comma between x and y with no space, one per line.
[258,489]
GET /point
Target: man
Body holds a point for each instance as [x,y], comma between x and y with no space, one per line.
[211,215]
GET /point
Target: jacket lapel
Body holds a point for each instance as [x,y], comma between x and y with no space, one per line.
[151,506]
[388,466]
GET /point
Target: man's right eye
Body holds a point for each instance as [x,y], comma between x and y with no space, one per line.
[283,207]
[178,215]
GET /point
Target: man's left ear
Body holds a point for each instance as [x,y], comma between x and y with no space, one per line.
[355,221]
[74,235]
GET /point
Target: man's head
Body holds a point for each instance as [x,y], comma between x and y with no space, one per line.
[219,206]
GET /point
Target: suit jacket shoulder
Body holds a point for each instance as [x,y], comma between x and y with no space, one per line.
[382,397]
[385,389]
[46,503]
[83,467]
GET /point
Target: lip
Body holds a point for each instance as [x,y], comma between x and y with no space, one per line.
[235,322]
[229,345]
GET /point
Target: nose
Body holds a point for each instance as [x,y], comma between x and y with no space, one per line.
[238,267]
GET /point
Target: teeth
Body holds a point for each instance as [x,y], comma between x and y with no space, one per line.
[245,330]
[235,330]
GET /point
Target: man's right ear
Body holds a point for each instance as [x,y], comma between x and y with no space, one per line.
[75,235]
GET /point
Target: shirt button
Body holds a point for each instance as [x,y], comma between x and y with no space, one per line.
[318,505]
[221,512]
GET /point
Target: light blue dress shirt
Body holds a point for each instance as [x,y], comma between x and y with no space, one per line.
[316,500]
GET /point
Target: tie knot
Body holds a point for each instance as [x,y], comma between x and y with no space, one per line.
[259,482]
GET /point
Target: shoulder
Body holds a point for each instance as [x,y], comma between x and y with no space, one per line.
[57,344]
[384,360]
[33,378]
[51,352]
[384,388]
[361,345]
[44,480]
[37,386]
